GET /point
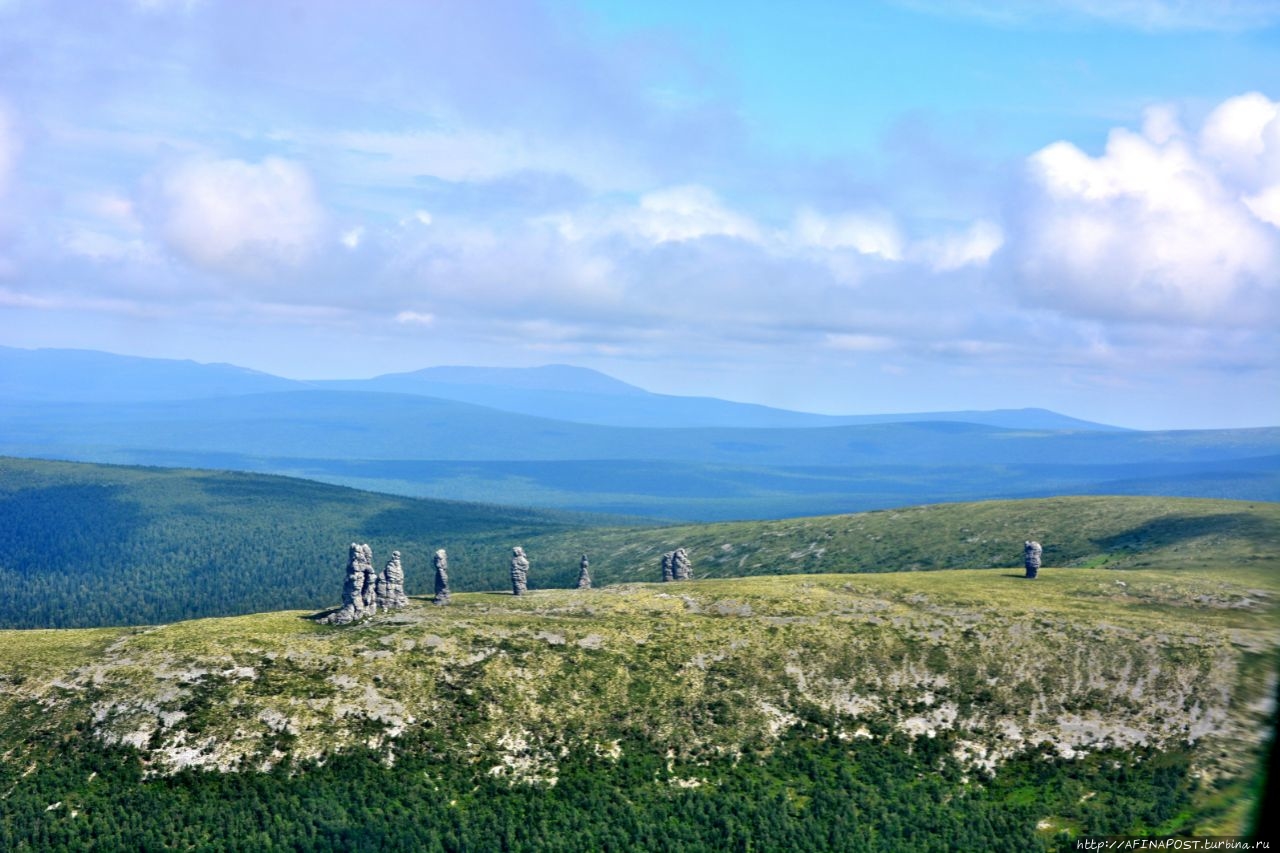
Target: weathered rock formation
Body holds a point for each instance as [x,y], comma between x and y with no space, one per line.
[441,561]
[519,571]
[1031,552]
[370,585]
[584,576]
[681,567]
[391,584]
[676,566]
[359,570]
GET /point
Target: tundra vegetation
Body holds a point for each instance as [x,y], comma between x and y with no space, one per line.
[875,681]
[93,545]
[965,709]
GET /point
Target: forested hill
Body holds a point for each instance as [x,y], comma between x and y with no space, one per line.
[87,545]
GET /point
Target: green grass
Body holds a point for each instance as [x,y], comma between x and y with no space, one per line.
[89,545]
[700,669]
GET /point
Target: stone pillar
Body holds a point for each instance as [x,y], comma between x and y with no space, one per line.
[359,558]
[391,584]
[1031,552]
[519,571]
[370,582]
[584,576]
[681,567]
[441,561]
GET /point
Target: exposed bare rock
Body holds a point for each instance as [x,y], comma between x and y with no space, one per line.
[681,567]
[359,567]
[584,576]
[370,592]
[519,571]
[441,561]
[391,584]
[1031,552]
[668,564]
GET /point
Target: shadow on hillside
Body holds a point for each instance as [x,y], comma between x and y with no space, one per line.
[320,615]
[1176,529]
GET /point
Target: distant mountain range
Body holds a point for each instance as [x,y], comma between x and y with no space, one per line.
[555,391]
[488,434]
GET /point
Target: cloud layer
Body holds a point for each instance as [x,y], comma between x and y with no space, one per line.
[1163,225]
[237,217]
[437,182]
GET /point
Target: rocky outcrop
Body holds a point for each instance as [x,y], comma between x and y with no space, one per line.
[365,590]
[676,566]
[1031,552]
[370,584]
[519,571]
[359,571]
[681,567]
[391,584]
[441,561]
[584,576]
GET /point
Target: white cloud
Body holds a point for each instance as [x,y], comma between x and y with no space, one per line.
[1242,137]
[234,216]
[97,246]
[113,209]
[669,215]
[1266,204]
[472,155]
[166,5]
[8,147]
[860,343]
[351,238]
[415,318]
[865,233]
[1217,15]
[1157,227]
[688,213]
[973,246]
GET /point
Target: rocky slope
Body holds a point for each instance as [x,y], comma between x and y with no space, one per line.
[985,662]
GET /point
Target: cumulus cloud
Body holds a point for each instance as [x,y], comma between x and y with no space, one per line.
[973,246]
[865,233]
[1242,138]
[235,216]
[1141,14]
[351,237]
[415,318]
[860,343]
[8,147]
[1161,226]
[687,213]
[669,215]
[477,155]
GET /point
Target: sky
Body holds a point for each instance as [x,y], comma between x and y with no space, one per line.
[882,206]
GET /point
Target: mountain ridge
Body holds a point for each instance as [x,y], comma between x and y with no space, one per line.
[557,391]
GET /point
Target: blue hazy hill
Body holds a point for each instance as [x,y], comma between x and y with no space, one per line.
[75,375]
[581,395]
[557,391]
[427,446]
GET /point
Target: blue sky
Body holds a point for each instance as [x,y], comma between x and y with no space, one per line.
[870,207]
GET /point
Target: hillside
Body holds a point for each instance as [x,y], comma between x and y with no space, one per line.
[88,545]
[960,710]
[84,545]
